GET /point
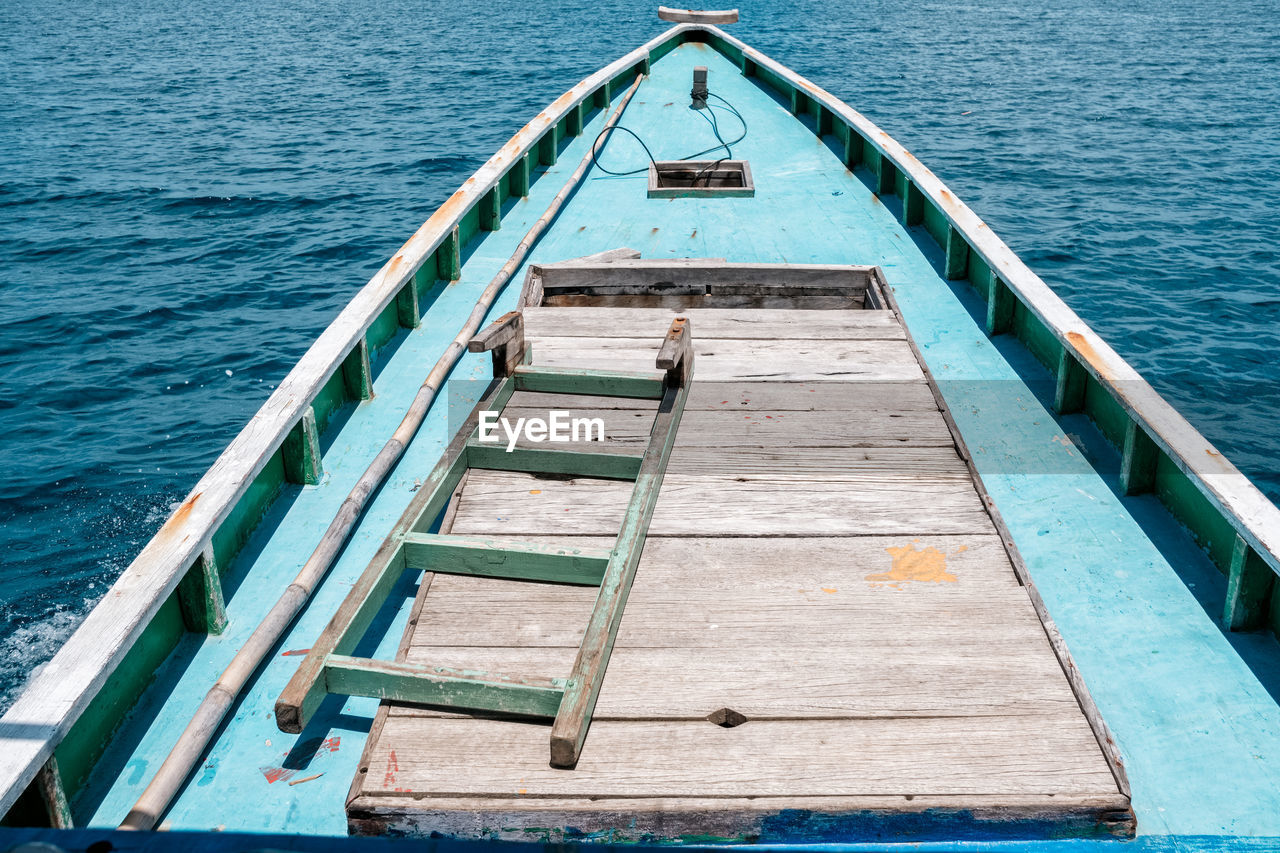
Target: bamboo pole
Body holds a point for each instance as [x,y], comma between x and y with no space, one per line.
[187,752]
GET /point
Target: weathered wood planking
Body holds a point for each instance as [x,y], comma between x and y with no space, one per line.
[895,396]
[1055,754]
[893,680]
[715,323]
[487,612]
[852,663]
[497,502]
[728,428]
[734,360]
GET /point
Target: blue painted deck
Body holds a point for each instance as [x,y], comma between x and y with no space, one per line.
[1194,712]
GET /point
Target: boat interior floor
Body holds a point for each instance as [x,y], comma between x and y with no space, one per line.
[825,630]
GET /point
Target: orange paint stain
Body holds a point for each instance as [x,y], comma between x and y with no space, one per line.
[921,565]
[535,491]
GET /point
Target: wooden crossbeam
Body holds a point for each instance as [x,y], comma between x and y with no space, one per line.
[465,555]
[538,460]
[592,383]
[439,685]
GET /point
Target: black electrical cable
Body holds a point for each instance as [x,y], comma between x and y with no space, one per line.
[595,146]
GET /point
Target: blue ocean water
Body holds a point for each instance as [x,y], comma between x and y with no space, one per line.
[190,191]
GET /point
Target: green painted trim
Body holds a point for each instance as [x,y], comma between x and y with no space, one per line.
[979,275]
[465,555]
[449,257]
[1106,412]
[384,328]
[408,314]
[357,372]
[520,177]
[935,223]
[886,176]
[1138,459]
[598,383]
[443,686]
[575,120]
[608,466]
[1000,306]
[1188,504]
[468,228]
[547,146]
[88,738]
[301,451]
[1249,584]
[491,210]
[200,596]
[331,397]
[1035,335]
[957,249]
[825,121]
[1068,396]
[853,143]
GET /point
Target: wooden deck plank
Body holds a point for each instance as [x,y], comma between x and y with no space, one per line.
[486,612]
[715,323]
[890,679]
[901,396]
[1050,754]
[742,360]
[731,429]
[835,504]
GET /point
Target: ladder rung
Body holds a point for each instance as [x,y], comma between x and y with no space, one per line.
[464,555]
[538,460]
[439,685]
[594,383]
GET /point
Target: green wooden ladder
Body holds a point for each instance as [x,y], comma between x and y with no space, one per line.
[329,666]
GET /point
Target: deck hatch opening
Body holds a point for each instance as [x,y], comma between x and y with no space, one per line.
[700,179]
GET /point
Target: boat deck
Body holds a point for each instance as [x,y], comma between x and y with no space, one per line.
[824,622]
